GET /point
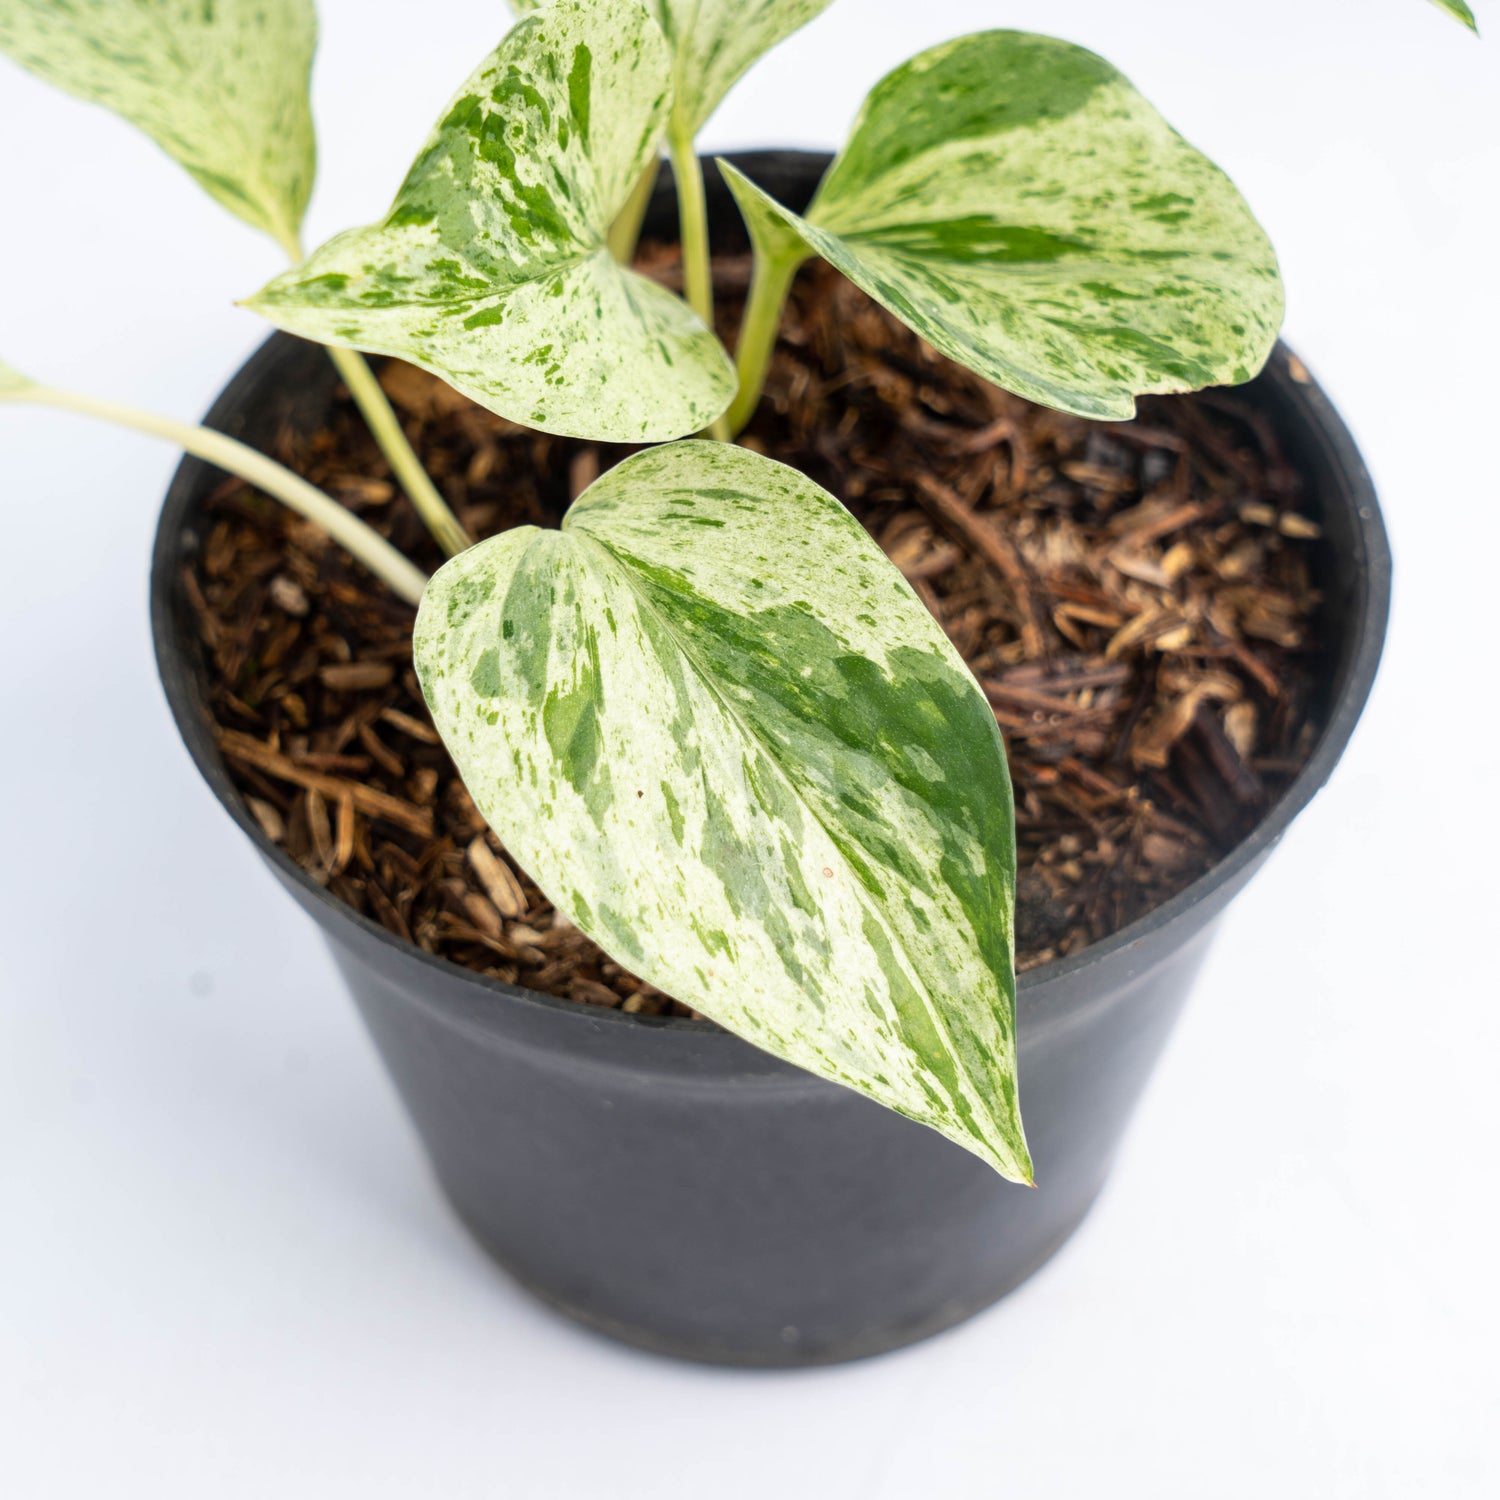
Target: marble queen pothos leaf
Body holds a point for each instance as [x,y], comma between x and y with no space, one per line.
[714,42]
[1015,201]
[220,85]
[1460,10]
[491,268]
[729,742]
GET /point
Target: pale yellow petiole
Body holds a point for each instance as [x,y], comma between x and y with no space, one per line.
[272,478]
[692,213]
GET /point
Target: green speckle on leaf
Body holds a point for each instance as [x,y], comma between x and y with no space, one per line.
[495,244]
[783,808]
[1015,201]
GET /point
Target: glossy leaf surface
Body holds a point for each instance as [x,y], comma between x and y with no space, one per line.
[491,269]
[730,743]
[1015,201]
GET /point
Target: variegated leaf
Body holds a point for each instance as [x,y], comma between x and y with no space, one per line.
[1459,10]
[1016,202]
[730,743]
[714,43]
[491,268]
[220,85]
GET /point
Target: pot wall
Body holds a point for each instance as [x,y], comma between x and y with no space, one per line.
[665,1182]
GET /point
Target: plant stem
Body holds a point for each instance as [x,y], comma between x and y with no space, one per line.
[625,232]
[692,213]
[385,427]
[768,293]
[227,453]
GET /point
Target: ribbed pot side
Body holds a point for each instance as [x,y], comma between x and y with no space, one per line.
[666,1183]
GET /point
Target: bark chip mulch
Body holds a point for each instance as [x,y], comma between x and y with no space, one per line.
[1136,599]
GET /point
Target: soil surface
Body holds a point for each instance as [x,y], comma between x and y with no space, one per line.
[1136,600]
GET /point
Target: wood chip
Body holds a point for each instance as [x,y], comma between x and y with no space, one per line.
[1239,725]
[289,595]
[1152,744]
[496,877]
[343,835]
[483,915]
[250,752]
[272,824]
[409,725]
[320,827]
[357,676]
[1299,527]
[1096,576]
[983,536]
[592,993]
[380,752]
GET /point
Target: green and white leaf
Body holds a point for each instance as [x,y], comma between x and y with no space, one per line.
[491,268]
[714,43]
[220,85]
[730,743]
[1459,10]
[1014,200]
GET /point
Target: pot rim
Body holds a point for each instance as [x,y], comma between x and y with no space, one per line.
[1044,989]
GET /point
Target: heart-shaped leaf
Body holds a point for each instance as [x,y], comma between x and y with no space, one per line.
[221,87]
[1459,10]
[491,269]
[1016,202]
[713,43]
[727,739]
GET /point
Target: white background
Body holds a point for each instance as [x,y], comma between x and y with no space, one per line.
[224,1270]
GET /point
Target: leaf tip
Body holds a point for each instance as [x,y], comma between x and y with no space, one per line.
[1460,11]
[1022,1169]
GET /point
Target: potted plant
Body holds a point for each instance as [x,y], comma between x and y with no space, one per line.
[728,753]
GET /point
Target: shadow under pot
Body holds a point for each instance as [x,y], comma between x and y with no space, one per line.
[663,1181]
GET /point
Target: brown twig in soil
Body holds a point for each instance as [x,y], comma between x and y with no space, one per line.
[982,536]
[250,752]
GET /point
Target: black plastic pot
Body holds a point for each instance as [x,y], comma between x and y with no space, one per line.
[663,1181]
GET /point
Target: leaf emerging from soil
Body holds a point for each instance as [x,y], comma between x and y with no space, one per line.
[222,88]
[729,742]
[491,269]
[1017,203]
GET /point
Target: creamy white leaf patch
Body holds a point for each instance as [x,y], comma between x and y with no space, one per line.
[1017,203]
[730,743]
[491,268]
